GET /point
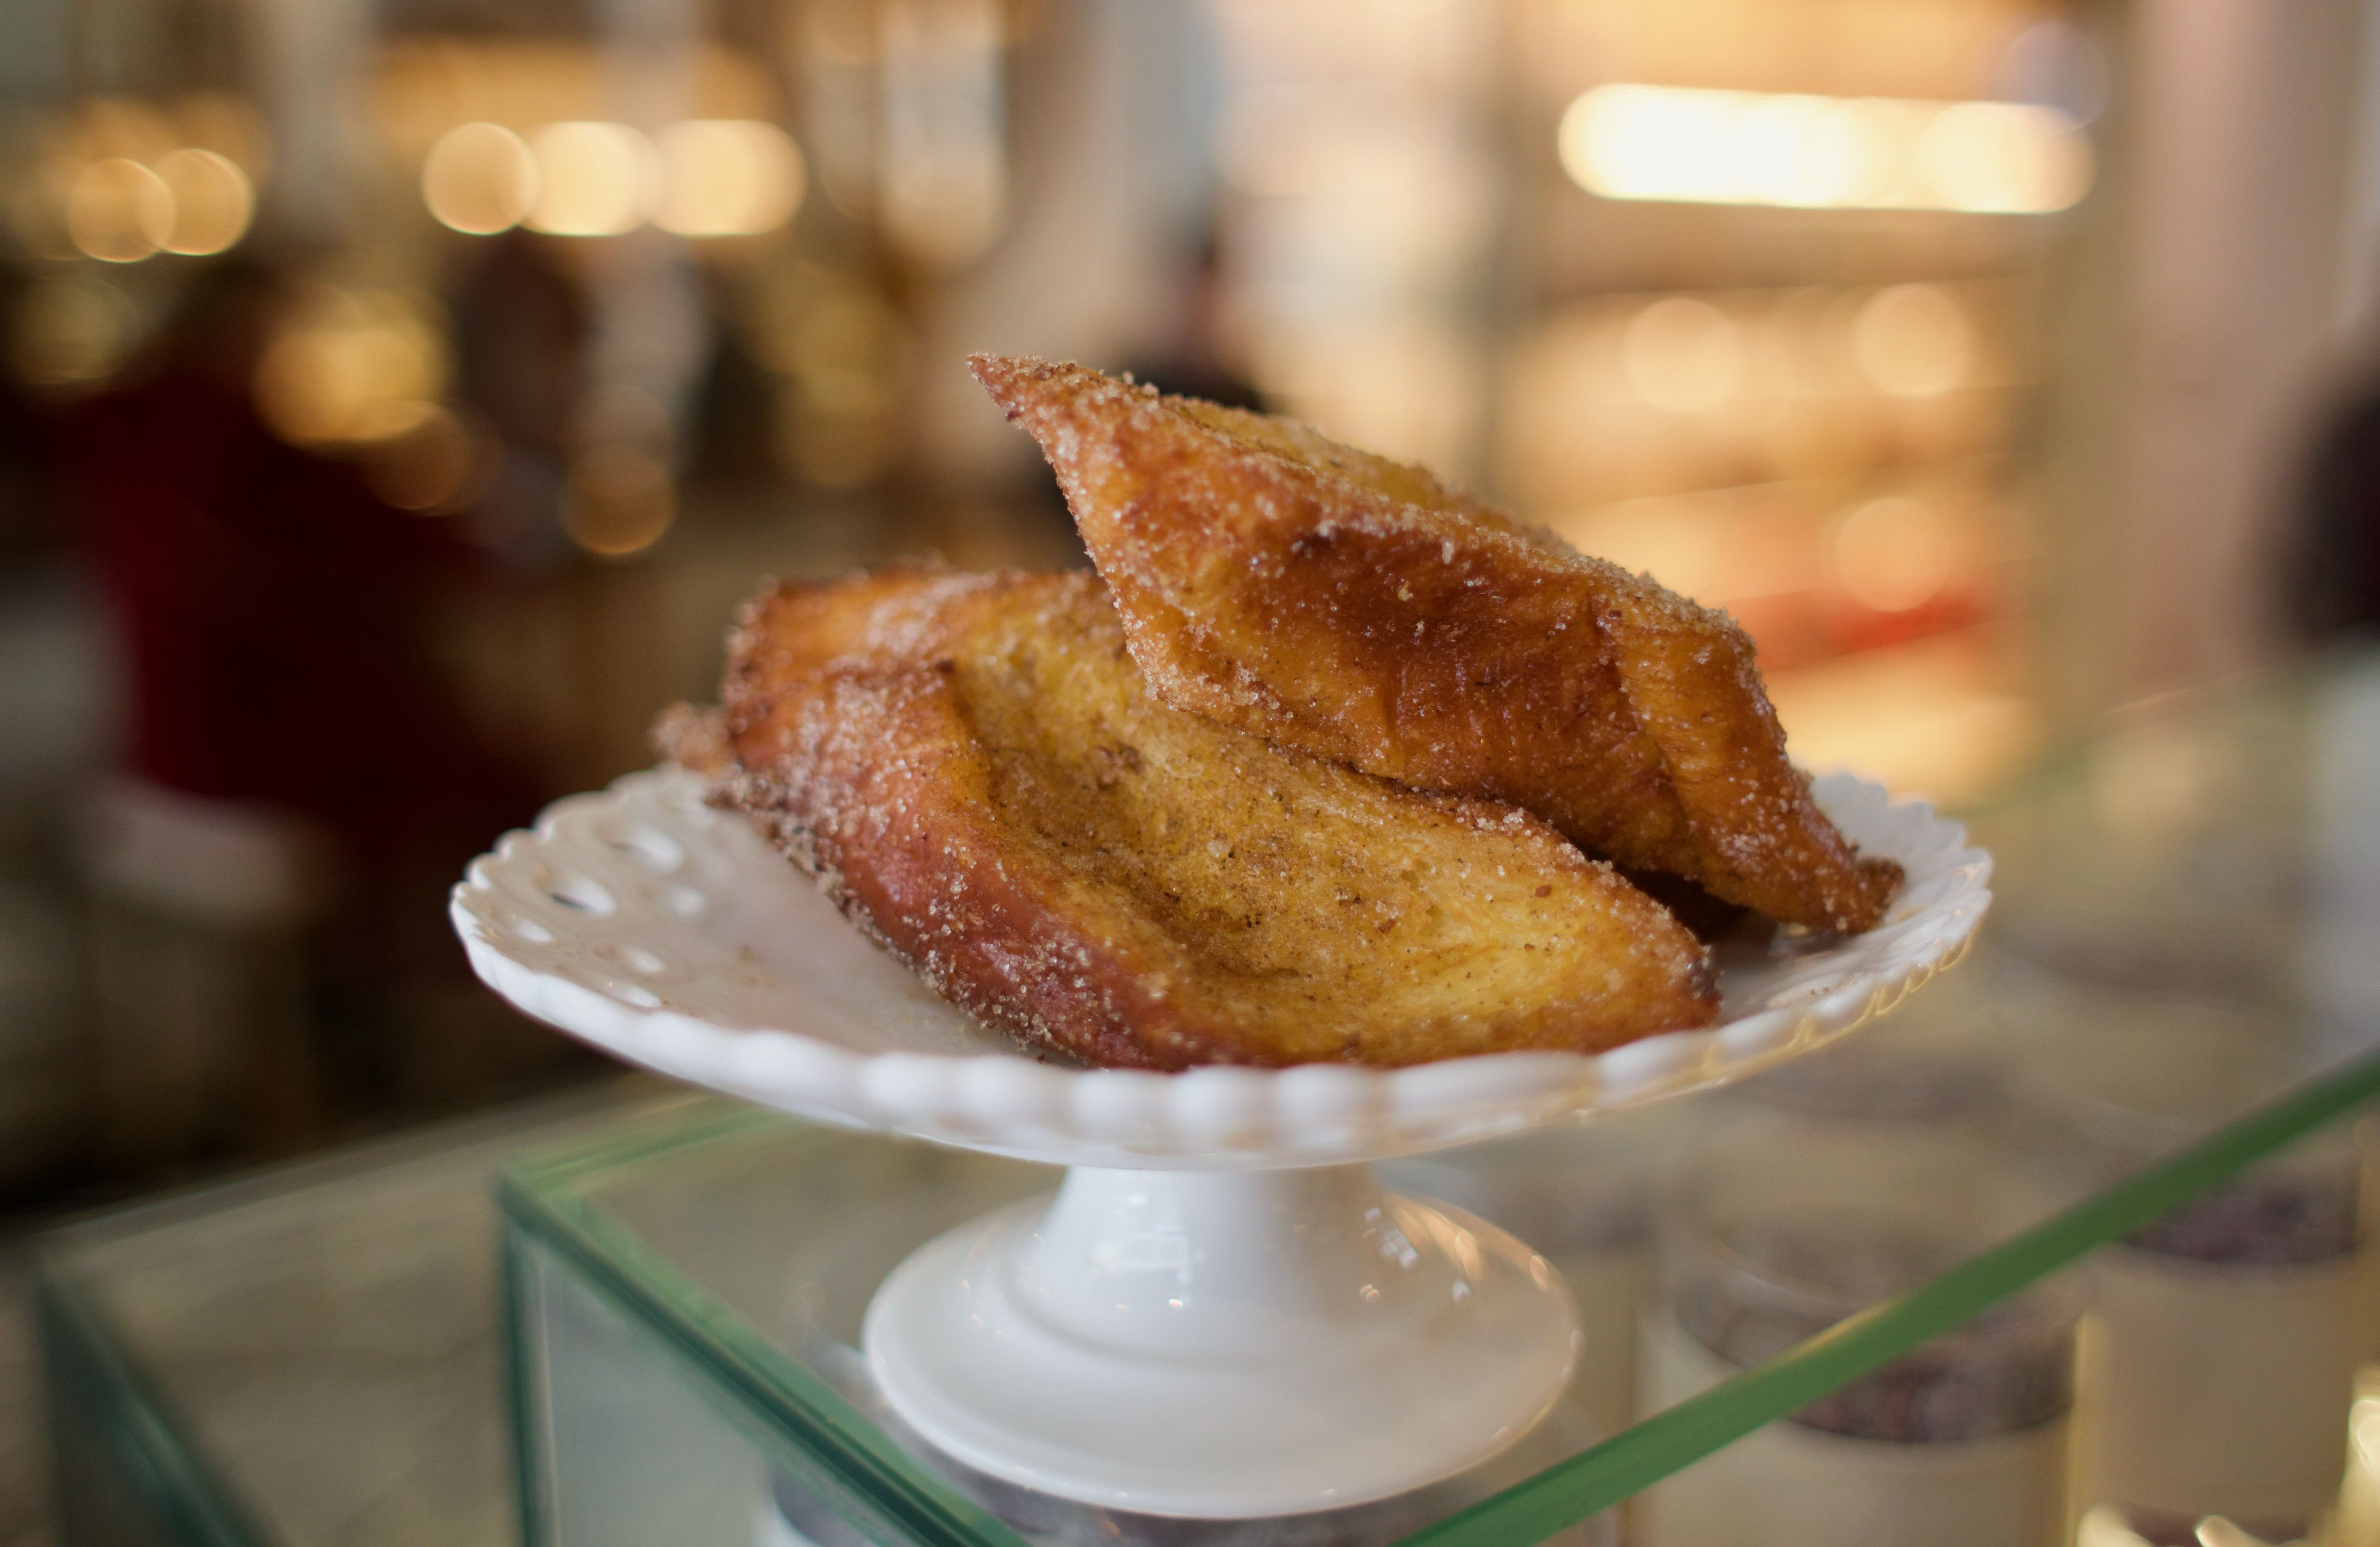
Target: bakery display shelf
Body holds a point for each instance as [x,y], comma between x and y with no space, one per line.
[1670,1440]
[587,1215]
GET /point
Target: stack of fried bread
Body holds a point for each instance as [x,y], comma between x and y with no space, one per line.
[1335,765]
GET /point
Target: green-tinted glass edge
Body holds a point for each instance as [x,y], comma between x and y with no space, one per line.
[524,1364]
[847,1453]
[1595,1478]
[181,1488]
[1644,1453]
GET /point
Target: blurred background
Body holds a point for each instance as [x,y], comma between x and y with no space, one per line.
[396,400]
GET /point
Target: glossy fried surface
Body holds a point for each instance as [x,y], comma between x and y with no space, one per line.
[1353,608]
[975,769]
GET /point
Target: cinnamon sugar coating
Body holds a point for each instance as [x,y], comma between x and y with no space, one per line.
[974,768]
[1353,608]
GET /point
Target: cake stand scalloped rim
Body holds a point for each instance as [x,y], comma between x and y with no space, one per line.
[597,922]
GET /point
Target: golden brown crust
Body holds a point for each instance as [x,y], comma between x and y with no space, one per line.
[973,766]
[1353,608]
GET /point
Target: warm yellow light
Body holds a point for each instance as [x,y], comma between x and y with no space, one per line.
[479,178]
[1653,142]
[1681,354]
[310,388]
[357,368]
[1779,155]
[1698,146]
[1893,554]
[118,210]
[381,420]
[1911,340]
[213,201]
[706,177]
[620,501]
[594,180]
[2003,158]
[727,178]
[1862,143]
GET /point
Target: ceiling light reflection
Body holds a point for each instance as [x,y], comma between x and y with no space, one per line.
[479,178]
[118,210]
[1698,146]
[2003,158]
[212,202]
[727,178]
[594,180]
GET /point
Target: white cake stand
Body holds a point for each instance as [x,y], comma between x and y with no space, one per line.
[1220,1314]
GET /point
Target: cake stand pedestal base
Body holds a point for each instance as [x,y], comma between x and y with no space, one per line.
[1222,1344]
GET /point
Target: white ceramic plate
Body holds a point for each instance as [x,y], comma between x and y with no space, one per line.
[672,934]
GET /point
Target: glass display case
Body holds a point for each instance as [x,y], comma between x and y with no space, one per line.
[2080,1236]
[686,1297]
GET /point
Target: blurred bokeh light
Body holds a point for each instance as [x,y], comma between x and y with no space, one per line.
[212,202]
[594,180]
[119,212]
[620,501]
[1703,146]
[351,366]
[479,178]
[727,178]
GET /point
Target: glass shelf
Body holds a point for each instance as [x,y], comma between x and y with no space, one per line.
[307,1355]
[2173,1009]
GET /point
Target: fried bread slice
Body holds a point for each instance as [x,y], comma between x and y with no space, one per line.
[1354,608]
[974,768]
